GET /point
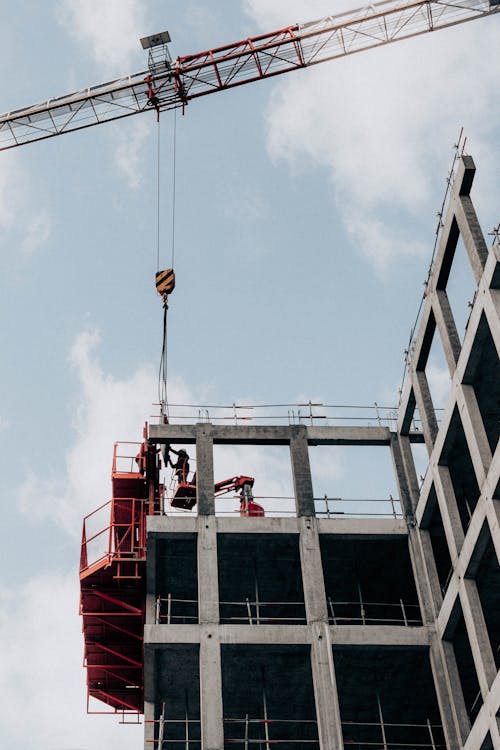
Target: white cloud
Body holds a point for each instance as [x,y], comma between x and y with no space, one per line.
[110,29]
[108,410]
[379,123]
[129,153]
[271,14]
[37,232]
[17,202]
[42,683]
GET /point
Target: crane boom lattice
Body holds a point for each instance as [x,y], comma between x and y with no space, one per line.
[192,76]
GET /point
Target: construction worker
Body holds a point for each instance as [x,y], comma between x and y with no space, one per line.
[181,466]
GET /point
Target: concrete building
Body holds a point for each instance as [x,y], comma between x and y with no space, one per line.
[319,632]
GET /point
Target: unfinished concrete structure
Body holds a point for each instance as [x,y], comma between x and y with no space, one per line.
[257,634]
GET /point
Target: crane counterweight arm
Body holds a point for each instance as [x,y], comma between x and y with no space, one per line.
[260,57]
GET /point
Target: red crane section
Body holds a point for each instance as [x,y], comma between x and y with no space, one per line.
[112,581]
[168,85]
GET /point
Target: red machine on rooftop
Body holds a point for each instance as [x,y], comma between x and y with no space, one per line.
[185,494]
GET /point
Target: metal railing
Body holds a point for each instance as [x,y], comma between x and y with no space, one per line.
[170,610]
[307,412]
[374,613]
[333,507]
[255,612]
[115,530]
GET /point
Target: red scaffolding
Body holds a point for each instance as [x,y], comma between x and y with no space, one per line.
[112,581]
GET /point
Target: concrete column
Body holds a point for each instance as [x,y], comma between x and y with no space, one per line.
[325,690]
[474,431]
[399,471]
[449,694]
[301,470]
[447,329]
[312,571]
[472,235]
[425,574]
[409,472]
[208,580]
[478,635]
[205,470]
[425,408]
[449,511]
[149,727]
[211,708]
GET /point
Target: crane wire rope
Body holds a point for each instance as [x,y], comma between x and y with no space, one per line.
[163,369]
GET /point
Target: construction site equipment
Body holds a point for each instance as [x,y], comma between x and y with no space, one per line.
[166,85]
[185,495]
[112,580]
[165,283]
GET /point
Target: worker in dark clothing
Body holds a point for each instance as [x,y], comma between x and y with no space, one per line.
[181,466]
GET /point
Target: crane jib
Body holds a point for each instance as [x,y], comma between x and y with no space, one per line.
[257,58]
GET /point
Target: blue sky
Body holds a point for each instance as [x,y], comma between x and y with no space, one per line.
[306,210]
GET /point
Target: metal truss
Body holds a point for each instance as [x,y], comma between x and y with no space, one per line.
[260,57]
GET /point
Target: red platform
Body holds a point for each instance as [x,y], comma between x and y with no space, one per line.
[113,591]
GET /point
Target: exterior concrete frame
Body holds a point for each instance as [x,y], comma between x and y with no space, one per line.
[465,549]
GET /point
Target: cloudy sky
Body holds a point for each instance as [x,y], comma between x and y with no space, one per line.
[305,219]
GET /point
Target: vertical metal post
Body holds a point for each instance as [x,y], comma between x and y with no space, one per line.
[393,506]
[161,730]
[157,610]
[404,612]
[381,717]
[330,604]
[246,732]
[169,607]
[257,602]
[363,618]
[249,612]
[429,726]
[187,731]
[266,724]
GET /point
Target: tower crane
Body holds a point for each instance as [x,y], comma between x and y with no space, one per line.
[168,84]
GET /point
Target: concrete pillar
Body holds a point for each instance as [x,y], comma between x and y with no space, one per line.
[399,470]
[301,470]
[475,434]
[325,690]
[211,708]
[312,572]
[425,408]
[449,511]
[447,329]
[208,580]
[478,635]
[205,470]
[449,694]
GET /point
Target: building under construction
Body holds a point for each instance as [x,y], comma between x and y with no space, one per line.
[311,629]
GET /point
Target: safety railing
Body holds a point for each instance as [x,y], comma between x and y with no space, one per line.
[383,735]
[333,507]
[115,530]
[374,613]
[171,733]
[171,611]
[125,457]
[254,612]
[265,733]
[306,412]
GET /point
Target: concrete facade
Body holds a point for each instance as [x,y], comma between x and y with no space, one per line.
[325,633]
